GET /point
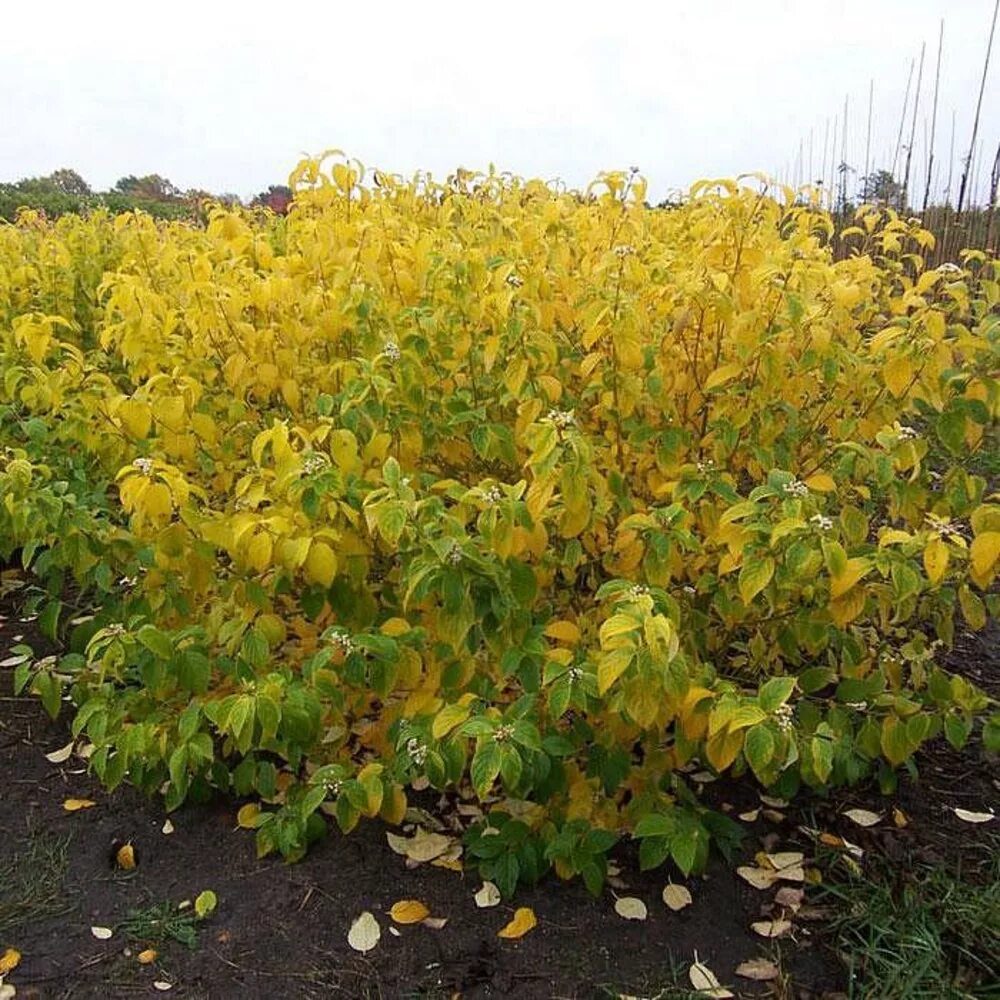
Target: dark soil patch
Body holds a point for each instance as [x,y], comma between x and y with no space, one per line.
[280,930]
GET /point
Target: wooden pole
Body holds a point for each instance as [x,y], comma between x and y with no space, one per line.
[913,129]
[937,85]
[979,108]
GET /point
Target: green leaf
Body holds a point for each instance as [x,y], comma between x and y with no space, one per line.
[157,642]
[775,692]
[205,904]
[485,767]
[755,576]
[758,748]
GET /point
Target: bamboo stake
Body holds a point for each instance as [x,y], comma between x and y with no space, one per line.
[868,140]
[937,84]
[902,120]
[913,129]
[979,108]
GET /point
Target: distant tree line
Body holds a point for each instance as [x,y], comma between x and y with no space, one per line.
[65,191]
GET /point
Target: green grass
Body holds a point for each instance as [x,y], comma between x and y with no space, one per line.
[161,922]
[919,933]
[31,883]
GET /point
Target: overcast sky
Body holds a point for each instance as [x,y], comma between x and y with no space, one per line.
[226,96]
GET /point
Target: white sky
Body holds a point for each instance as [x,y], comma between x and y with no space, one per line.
[226,96]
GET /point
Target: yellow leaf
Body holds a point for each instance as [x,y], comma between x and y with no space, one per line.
[75,805]
[936,559]
[364,933]
[9,960]
[722,750]
[984,552]
[631,908]
[563,631]
[147,957]
[524,920]
[246,817]
[897,374]
[611,666]
[408,911]
[125,857]
[821,482]
[394,627]
[855,569]
[722,375]
[136,417]
[321,564]
[676,896]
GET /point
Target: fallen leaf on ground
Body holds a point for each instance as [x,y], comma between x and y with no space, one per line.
[789,897]
[974,817]
[631,908]
[364,933]
[759,878]
[751,816]
[395,931]
[408,911]
[770,800]
[205,904]
[125,857]
[760,969]
[771,928]
[75,805]
[147,957]
[676,896]
[523,921]
[899,817]
[863,817]
[101,933]
[488,895]
[168,827]
[9,960]
[421,847]
[7,991]
[705,981]
[434,923]
[62,754]
[162,985]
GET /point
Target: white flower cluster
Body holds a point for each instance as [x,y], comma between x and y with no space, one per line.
[707,466]
[796,488]
[624,250]
[391,351]
[561,418]
[116,629]
[332,787]
[637,590]
[416,751]
[942,526]
[950,268]
[144,465]
[503,733]
[493,495]
[783,715]
[314,463]
[454,555]
[689,590]
[514,280]
[575,674]
[821,521]
[908,434]
[343,640]
[128,581]
[858,706]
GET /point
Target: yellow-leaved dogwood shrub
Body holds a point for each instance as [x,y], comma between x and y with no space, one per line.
[550,497]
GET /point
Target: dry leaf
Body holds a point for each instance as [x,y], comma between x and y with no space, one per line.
[785,859]
[246,817]
[631,908]
[101,933]
[751,816]
[524,920]
[61,755]
[973,817]
[7,991]
[9,960]
[147,957]
[75,805]
[434,923]
[771,928]
[759,878]
[899,817]
[789,897]
[863,817]
[125,857]
[773,816]
[395,931]
[168,827]
[421,847]
[760,969]
[704,777]
[704,980]
[162,985]
[408,911]
[774,803]
[364,933]
[676,896]
[488,895]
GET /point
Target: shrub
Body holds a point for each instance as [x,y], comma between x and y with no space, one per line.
[548,496]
